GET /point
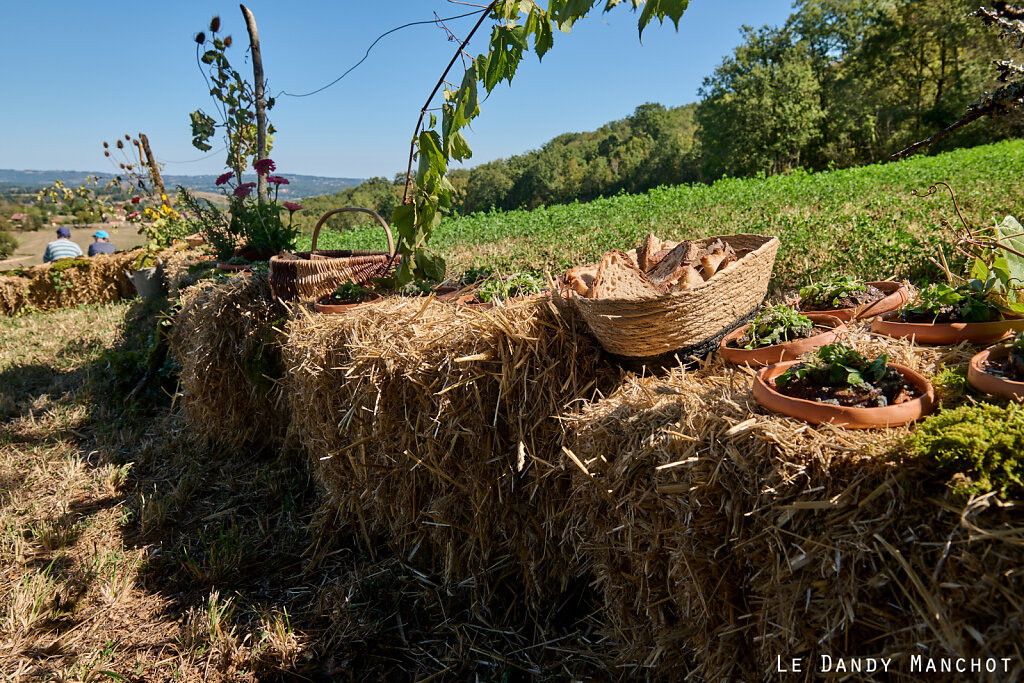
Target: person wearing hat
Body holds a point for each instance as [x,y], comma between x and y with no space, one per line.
[62,247]
[101,244]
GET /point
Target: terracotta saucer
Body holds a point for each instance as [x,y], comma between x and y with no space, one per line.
[947,333]
[981,380]
[766,355]
[897,295]
[844,416]
[344,308]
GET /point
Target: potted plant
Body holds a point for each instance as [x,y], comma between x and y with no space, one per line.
[839,385]
[849,298]
[779,333]
[235,264]
[346,297]
[145,275]
[999,370]
[497,290]
[426,288]
[944,314]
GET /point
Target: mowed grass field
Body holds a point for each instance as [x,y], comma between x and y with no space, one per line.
[862,221]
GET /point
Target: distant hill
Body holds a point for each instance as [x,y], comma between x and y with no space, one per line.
[300,186]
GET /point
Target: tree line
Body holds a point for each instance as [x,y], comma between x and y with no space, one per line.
[841,83]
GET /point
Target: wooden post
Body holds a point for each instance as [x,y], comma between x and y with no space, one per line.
[154,169]
[261,113]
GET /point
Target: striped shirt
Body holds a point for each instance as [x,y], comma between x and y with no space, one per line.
[60,248]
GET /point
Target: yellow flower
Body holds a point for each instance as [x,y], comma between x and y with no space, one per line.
[166,208]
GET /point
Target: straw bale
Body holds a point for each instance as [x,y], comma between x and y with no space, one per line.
[723,534]
[225,339]
[430,425]
[96,280]
[182,269]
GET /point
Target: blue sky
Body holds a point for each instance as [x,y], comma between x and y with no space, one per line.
[75,74]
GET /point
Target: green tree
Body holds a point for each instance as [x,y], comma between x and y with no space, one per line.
[761,109]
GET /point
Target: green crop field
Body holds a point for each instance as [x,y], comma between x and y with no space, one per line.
[858,220]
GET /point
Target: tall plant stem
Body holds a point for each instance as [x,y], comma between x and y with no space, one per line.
[261,112]
[440,82]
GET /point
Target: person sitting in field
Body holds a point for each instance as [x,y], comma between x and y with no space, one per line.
[101,244]
[62,247]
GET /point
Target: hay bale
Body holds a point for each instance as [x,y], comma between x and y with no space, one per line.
[430,426]
[724,535]
[13,293]
[226,342]
[69,282]
[185,268]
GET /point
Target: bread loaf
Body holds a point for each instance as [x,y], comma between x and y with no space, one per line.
[619,278]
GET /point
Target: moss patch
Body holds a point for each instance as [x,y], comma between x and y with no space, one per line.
[980,447]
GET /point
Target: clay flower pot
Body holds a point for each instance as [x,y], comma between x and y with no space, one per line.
[980,379]
[233,268]
[897,295]
[844,416]
[947,333]
[344,308]
[766,355]
[446,293]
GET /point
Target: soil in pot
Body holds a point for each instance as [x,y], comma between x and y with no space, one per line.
[847,298]
[840,386]
[779,333]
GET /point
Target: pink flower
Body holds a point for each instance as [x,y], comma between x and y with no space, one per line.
[244,189]
[277,180]
[134,214]
[292,206]
[264,166]
[224,177]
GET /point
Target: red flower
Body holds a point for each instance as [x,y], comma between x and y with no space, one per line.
[292,206]
[224,177]
[264,166]
[244,189]
[277,180]
[135,200]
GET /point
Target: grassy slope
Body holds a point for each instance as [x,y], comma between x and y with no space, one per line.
[861,220]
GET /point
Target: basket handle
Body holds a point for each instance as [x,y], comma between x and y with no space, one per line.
[344,209]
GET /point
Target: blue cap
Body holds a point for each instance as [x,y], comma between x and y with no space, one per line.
[63,232]
[102,234]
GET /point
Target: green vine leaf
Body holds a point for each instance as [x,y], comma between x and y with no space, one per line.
[673,9]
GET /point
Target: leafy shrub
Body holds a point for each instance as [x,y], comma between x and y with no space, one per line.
[980,447]
[8,243]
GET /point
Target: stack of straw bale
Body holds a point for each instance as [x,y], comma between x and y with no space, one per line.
[723,536]
[226,341]
[431,426]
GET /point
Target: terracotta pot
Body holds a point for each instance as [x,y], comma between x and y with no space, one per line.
[981,380]
[344,308]
[232,268]
[195,240]
[948,333]
[843,416]
[445,293]
[897,295]
[469,300]
[767,355]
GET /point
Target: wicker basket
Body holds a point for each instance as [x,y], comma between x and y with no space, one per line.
[309,279]
[642,328]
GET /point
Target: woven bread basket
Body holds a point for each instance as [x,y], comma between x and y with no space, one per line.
[317,273]
[646,327]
